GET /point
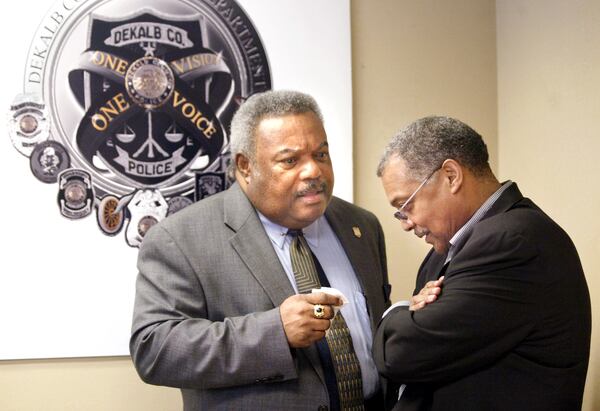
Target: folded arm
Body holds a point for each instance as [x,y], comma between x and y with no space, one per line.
[486,307]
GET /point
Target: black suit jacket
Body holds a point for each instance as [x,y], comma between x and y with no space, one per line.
[511,328]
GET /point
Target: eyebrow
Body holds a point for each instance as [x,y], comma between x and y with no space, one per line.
[291,150]
[397,201]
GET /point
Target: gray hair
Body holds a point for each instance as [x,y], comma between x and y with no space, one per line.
[264,105]
[425,144]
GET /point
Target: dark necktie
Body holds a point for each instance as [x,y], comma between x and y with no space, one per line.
[345,362]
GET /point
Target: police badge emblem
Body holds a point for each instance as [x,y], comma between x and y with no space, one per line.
[47,160]
[75,193]
[147,207]
[110,215]
[28,123]
[135,100]
[178,203]
[208,184]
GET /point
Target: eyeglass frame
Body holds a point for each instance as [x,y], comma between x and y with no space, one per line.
[399,213]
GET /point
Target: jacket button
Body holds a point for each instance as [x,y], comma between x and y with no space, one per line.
[323,408]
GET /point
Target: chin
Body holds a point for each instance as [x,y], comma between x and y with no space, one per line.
[311,216]
[439,247]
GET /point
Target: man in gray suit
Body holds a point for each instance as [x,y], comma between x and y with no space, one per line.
[217,309]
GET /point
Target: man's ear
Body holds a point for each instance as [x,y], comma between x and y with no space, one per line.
[453,174]
[243,167]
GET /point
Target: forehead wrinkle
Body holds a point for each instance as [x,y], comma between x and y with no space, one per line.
[288,150]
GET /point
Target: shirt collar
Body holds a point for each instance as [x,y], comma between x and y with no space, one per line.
[461,234]
[278,233]
[311,232]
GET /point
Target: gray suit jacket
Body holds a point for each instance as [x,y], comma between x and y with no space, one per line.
[206,316]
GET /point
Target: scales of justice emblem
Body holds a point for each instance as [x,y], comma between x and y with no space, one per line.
[127,108]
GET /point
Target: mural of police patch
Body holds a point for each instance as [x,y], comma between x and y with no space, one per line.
[141,97]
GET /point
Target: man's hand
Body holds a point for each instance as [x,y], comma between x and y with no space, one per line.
[299,322]
[427,295]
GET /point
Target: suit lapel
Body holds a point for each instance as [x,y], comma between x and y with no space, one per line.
[356,251]
[507,200]
[431,270]
[253,246]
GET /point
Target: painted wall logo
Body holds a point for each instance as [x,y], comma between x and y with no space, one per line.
[127,107]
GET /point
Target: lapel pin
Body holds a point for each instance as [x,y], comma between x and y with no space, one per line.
[356,232]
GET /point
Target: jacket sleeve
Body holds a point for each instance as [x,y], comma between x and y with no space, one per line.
[487,306]
[387,288]
[174,343]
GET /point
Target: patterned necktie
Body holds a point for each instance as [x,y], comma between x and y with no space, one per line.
[345,362]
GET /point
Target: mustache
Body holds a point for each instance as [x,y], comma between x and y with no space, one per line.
[312,186]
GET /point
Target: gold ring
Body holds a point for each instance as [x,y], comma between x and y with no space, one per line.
[319,311]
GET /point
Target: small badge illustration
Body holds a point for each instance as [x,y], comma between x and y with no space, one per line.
[75,193]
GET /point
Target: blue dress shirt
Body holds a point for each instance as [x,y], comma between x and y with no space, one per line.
[331,255]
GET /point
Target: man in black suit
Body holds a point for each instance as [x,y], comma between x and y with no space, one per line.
[500,319]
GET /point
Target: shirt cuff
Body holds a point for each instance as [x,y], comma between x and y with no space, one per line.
[403,303]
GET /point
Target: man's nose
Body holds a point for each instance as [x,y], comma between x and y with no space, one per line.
[407,225]
[311,170]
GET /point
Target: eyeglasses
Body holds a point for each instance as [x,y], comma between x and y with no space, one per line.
[399,214]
